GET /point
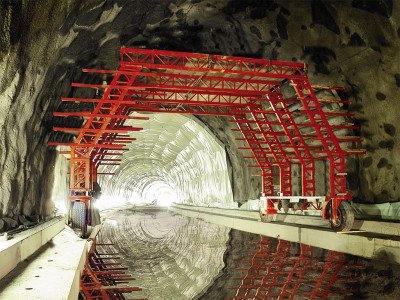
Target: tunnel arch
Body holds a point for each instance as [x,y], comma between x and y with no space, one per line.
[177,151]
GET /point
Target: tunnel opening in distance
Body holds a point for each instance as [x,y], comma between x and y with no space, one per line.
[174,159]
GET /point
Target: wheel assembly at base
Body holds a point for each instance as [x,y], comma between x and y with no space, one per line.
[345,213]
[345,216]
[79,216]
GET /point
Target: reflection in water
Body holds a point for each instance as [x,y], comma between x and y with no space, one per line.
[171,257]
[283,270]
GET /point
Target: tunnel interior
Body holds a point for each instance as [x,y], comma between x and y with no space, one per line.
[188,159]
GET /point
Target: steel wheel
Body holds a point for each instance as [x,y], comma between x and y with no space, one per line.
[345,215]
[79,217]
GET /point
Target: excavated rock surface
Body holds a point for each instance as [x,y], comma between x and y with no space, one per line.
[44,45]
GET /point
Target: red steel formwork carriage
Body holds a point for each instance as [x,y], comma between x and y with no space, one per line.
[275,128]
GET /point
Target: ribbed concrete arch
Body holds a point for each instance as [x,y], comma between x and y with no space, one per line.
[175,157]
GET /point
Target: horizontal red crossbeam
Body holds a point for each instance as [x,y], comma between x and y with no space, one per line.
[200,97]
[271,133]
[203,103]
[195,110]
[90,114]
[179,87]
[210,63]
[163,78]
[105,86]
[83,145]
[116,141]
[301,112]
[344,151]
[126,103]
[124,129]
[290,124]
[281,145]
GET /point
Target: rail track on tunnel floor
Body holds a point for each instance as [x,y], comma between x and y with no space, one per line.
[360,242]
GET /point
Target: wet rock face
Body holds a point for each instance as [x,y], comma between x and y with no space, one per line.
[45,44]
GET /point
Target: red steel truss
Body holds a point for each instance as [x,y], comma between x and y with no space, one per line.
[211,63]
[278,272]
[248,90]
[103,277]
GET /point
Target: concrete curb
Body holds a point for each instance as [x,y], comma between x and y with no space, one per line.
[24,244]
[368,245]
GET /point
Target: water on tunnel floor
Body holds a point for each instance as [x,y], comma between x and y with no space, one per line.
[175,257]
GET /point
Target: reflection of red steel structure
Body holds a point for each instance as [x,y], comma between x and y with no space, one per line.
[103,277]
[277,273]
[249,90]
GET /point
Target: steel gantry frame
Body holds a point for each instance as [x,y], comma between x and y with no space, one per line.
[246,89]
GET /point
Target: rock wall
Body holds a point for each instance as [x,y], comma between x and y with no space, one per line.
[44,45]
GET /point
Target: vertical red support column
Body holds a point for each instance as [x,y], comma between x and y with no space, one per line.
[80,169]
[297,142]
[276,149]
[93,171]
[83,170]
[260,153]
[268,180]
[266,148]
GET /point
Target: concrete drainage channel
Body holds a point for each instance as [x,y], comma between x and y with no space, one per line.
[44,262]
[369,239]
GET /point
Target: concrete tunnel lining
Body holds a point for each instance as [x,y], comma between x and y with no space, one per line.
[174,153]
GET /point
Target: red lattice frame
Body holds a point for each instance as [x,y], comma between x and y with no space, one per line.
[190,83]
[103,276]
[276,273]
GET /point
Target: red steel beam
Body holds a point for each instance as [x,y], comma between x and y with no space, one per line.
[211,85]
[297,124]
[170,60]
[89,114]
[83,145]
[116,130]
